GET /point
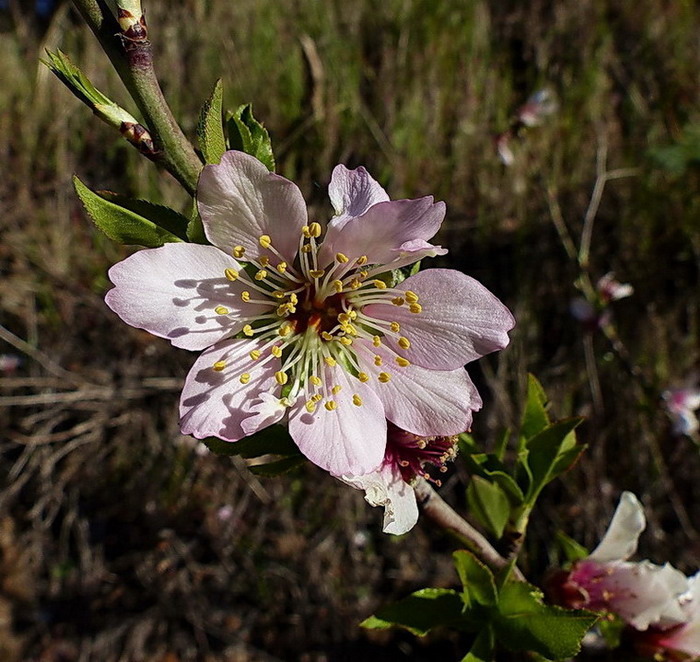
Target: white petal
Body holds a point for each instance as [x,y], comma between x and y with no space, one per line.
[352,193]
[620,540]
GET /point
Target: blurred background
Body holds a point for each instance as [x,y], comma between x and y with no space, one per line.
[122,540]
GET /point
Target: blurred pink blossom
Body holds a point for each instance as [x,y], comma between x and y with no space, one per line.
[681,404]
[537,108]
[10,362]
[610,289]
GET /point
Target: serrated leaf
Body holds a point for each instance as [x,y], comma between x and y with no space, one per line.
[163,216]
[74,79]
[525,623]
[489,504]
[552,448]
[482,648]
[245,133]
[278,467]
[420,612]
[535,417]
[210,129]
[121,224]
[272,440]
[477,580]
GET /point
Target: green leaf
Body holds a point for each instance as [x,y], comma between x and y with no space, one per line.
[525,623]
[420,612]
[550,452]
[273,440]
[245,133]
[162,216]
[210,129]
[502,444]
[278,467]
[415,268]
[482,648]
[477,580]
[535,417]
[119,223]
[489,504]
[573,551]
[489,466]
[195,228]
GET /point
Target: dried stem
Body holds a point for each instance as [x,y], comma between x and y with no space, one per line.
[442,514]
[131,54]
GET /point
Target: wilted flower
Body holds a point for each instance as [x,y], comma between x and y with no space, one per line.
[405,459]
[641,593]
[315,330]
[681,404]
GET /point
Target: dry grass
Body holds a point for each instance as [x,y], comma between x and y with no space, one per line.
[112,542]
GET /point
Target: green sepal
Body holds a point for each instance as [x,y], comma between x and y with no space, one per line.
[272,440]
[415,268]
[195,228]
[573,551]
[477,580]
[524,623]
[163,216]
[121,224]
[420,612]
[248,135]
[210,129]
[278,467]
[489,504]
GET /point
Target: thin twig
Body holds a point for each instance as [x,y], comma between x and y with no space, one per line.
[442,514]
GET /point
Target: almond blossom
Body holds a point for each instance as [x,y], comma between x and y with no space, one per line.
[641,593]
[306,324]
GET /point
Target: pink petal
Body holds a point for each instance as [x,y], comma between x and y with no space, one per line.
[460,320]
[383,229]
[240,200]
[173,291]
[352,193]
[424,402]
[215,403]
[386,488]
[348,440]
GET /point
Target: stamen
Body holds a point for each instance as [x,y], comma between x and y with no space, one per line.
[231,274]
[261,275]
[336,389]
[264,260]
[276,351]
[245,378]
[238,252]
[395,327]
[379,284]
[384,377]
[341,257]
[345,340]
[281,267]
[330,361]
[361,260]
[316,381]
[221,310]
[315,230]
[281,378]
[404,343]
[402,361]
[398,301]
[255,354]
[415,308]
[411,296]
[357,400]
[219,366]
[248,330]
[330,405]
[377,360]
[317,273]
[265,241]
[363,377]
[338,286]
[376,341]
[245,296]
[310,406]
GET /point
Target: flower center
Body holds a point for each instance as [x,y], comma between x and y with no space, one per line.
[411,453]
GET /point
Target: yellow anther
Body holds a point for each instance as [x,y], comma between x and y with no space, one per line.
[341,257]
[317,273]
[376,341]
[317,397]
[411,297]
[338,286]
[284,330]
[354,284]
[377,360]
[326,336]
[245,296]
[231,274]
[248,330]
[306,248]
[384,377]
[278,294]
[353,314]
[336,389]
[364,273]
[255,354]
[343,318]
[362,260]
[379,284]
[316,381]
[281,378]
[363,377]
[395,327]
[305,231]
[221,310]
[264,260]
[315,229]
[398,301]
[310,406]
[351,329]
[404,343]
[402,361]
[293,298]
[357,400]
[261,275]
[265,241]
[283,309]
[244,378]
[346,341]
[330,361]
[330,405]
[281,267]
[238,251]
[276,351]
[219,366]
[415,308]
